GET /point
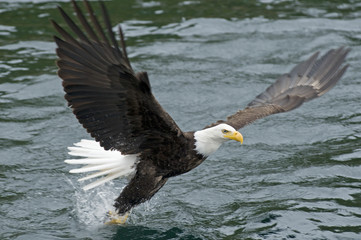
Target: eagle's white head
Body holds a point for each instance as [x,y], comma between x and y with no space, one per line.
[208,140]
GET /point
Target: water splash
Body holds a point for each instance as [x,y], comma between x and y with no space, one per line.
[91,206]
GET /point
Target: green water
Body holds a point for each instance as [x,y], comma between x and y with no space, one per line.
[297,175]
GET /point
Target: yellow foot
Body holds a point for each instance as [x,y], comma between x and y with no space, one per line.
[116,219]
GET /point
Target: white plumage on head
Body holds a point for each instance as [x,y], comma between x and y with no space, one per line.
[210,139]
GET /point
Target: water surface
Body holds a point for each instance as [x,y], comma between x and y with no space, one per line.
[297,175]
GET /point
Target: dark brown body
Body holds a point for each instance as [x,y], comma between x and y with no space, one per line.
[152,173]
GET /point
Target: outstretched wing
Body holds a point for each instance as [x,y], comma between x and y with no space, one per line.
[308,80]
[114,104]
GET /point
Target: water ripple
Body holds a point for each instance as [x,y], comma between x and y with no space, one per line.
[297,175]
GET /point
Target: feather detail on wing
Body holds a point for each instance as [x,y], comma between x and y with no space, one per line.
[308,80]
[113,103]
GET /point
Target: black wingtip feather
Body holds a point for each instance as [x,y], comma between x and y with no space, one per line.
[108,24]
[124,47]
[96,23]
[320,74]
[307,80]
[73,26]
[84,22]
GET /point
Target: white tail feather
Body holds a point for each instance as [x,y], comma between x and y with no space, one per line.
[110,163]
[103,180]
[98,174]
[89,160]
[95,167]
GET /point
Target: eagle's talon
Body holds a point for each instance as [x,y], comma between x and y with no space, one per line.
[116,219]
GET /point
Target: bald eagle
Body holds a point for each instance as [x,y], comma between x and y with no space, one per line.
[134,136]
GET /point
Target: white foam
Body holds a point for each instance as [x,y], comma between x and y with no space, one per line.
[91,207]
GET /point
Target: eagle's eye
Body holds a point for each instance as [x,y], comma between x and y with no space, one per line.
[224,131]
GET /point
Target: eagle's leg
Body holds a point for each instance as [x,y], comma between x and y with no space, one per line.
[146,182]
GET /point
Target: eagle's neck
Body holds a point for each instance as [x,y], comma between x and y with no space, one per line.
[206,142]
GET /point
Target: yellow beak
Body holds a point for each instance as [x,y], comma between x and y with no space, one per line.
[237,136]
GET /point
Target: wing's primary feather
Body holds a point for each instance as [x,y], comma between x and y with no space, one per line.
[307,80]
